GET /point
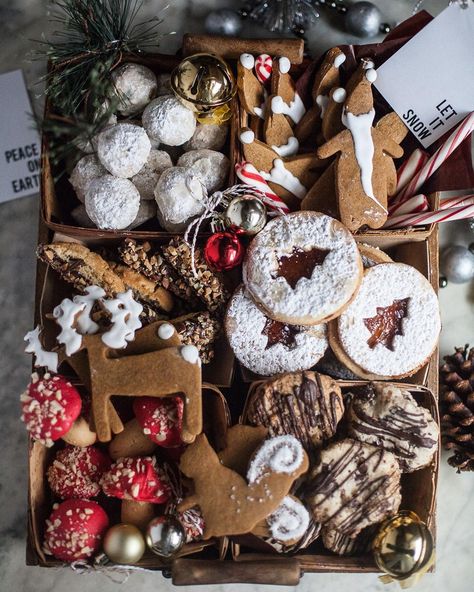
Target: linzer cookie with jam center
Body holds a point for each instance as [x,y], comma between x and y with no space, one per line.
[353,486]
[391,328]
[306,404]
[266,346]
[389,417]
[303,268]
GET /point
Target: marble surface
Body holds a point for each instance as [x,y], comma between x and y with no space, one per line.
[21,21]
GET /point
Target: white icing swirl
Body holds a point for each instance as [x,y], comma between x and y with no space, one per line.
[289,521]
[281,454]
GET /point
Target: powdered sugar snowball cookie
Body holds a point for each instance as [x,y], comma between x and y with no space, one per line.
[146,211]
[392,327]
[75,529]
[210,135]
[87,168]
[75,472]
[168,121]
[210,166]
[145,180]
[123,149]
[269,347]
[180,196]
[303,268]
[135,86]
[387,416]
[111,202]
[353,486]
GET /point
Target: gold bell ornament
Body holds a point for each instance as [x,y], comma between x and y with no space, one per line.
[205,84]
[403,548]
[124,544]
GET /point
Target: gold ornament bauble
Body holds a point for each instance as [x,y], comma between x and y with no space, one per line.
[165,536]
[205,84]
[124,544]
[247,214]
[403,546]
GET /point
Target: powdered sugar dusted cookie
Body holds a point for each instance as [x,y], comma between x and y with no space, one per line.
[389,417]
[269,347]
[168,121]
[392,326]
[135,85]
[342,544]
[86,169]
[147,178]
[306,404]
[353,486]
[112,202]
[210,135]
[123,149]
[210,166]
[303,268]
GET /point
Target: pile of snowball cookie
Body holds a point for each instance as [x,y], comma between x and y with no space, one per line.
[127,174]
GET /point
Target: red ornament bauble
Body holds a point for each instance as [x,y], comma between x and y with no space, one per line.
[223,251]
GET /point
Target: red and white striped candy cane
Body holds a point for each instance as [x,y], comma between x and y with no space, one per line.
[449,214]
[263,67]
[249,175]
[434,162]
[416,204]
[410,167]
[455,201]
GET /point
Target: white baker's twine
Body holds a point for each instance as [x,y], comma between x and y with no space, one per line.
[101,564]
[212,202]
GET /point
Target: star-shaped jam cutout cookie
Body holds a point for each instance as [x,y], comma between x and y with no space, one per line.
[387,323]
[277,332]
[300,264]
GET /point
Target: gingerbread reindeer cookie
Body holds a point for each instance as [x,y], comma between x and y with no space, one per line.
[361,171]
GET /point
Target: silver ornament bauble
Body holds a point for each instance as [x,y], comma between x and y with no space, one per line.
[247,214]
[363,19]
[124,544]
[165,536]
[223,22]
[457,264]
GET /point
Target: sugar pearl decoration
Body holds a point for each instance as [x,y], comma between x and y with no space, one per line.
[112,202]
[145,181]
[210,166]
[123,149]
[180,197]
[211,136]
[168,121]
[136,86]
[86,169]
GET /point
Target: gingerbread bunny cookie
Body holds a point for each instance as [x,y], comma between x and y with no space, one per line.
[361,170]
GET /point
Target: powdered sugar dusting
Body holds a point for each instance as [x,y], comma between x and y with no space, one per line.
[281,454]
[331,285]
[145,180]
[245,324]
[136,85]
[112,202]
[168,121]
[86,169]
[123,149]
[290,520]
[382,284]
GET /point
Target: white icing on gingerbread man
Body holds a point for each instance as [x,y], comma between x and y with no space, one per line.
[295,110]
[288,149]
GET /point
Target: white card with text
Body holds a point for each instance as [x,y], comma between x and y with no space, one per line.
[429,82]
[20,148]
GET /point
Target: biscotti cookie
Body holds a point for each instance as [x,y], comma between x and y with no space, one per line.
[303,268]
[269,347]
[305,404]
[392,327]
[353,486]
[389,417]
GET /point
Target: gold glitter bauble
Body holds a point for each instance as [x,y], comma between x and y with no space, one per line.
[205,84]
[403,545]
[124,544]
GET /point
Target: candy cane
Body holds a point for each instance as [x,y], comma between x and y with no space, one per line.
[444,151]
[410,167]
[249,175]
[417,203]
[457,200]
[449,214]
[263,67]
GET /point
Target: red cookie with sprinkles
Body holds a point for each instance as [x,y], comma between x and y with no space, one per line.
[75,529]
[161,419]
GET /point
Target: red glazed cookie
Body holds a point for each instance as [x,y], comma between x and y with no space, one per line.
[269,347]
[303,268]
[76,472]
[74,530]
[137,479]
[392,327]
[50,406]
[161,419]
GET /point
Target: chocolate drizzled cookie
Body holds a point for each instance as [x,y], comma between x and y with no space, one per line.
[354,486]
[305,404]
[389,417]
[342,544]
